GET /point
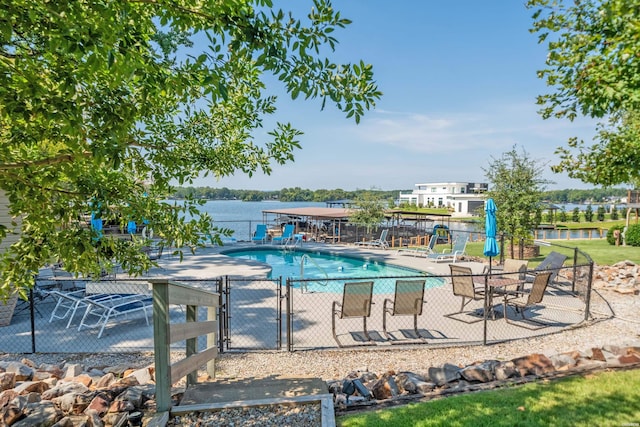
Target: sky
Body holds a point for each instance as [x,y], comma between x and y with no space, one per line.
[459,83]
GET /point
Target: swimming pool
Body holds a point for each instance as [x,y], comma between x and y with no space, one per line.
[325,268]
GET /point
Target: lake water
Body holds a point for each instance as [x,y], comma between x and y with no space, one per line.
[242,217]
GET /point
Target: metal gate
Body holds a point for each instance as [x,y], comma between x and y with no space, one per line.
[250,314]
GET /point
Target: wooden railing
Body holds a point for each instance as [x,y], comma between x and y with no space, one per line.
[167,292]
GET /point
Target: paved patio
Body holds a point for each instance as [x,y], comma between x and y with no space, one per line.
[253,307]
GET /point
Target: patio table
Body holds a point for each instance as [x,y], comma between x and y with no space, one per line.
[497,286]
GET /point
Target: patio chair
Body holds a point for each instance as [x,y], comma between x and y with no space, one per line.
[407,301]
[524,300]
[287,235]
[421,250]
[356,302]
[511,269]
[260,234]
[458,249]
[463,286]
[380,242]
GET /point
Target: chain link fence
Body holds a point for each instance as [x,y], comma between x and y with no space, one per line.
[277,314]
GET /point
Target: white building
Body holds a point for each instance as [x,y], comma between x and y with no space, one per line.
[462,198]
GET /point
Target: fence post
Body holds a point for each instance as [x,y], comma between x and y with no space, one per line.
[211,341]
[289,315]
[575,269]
[588,299]
[161,344]
[191,345]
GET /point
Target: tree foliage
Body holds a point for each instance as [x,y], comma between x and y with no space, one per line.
[111,102]
[369,212]
[592,70]
[516,185]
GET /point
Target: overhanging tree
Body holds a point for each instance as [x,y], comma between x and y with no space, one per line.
[107,103]
[593,69]
[516,186]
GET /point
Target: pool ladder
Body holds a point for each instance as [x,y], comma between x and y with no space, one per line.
[304,258]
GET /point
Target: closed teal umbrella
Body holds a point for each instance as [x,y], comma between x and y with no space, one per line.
[491,227]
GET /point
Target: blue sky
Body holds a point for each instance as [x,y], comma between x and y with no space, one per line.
[459,87]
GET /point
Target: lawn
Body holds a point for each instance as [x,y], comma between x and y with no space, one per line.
[602,399]
[600,251]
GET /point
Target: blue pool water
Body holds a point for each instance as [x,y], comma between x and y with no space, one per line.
[322,267]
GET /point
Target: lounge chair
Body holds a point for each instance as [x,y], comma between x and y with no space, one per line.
[260,234]
[356,302]
[421,250]
[105,310]
[463,286]
[407,301]
[458,249]
[287,235]
[380,242]
[68,303]
[521,301]
[552,262]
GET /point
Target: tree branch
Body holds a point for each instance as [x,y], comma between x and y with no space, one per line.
[42,162]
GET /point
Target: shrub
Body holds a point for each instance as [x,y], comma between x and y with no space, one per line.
[575,215]
[614,213]
[588,214]
[610,234]
[632,235]
[563,215]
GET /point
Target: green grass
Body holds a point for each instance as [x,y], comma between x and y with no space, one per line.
[600,251]
[603,399]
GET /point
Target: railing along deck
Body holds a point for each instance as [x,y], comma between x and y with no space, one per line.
[165,293]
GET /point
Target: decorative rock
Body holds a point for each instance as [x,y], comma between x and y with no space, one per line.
[73,370]
[629,358]
[7,380]
[563,361]
[143,376]
[31,386]
[106,380]
[39,414]
[100,404]
[533,364]
[22,371]
[445,374]
[64,388]
[9,415]
[481,372]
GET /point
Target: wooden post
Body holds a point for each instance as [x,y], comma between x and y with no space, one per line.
[161,344]
[192,343]
[211,341]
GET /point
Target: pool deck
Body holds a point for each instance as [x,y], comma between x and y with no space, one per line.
[312,311]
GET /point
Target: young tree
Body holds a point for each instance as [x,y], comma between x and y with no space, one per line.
[575,215]
[563,215]
[516,185]
[588,214]
[369,212]
[592,68]
[614,213]
[600,213]
[111,103]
